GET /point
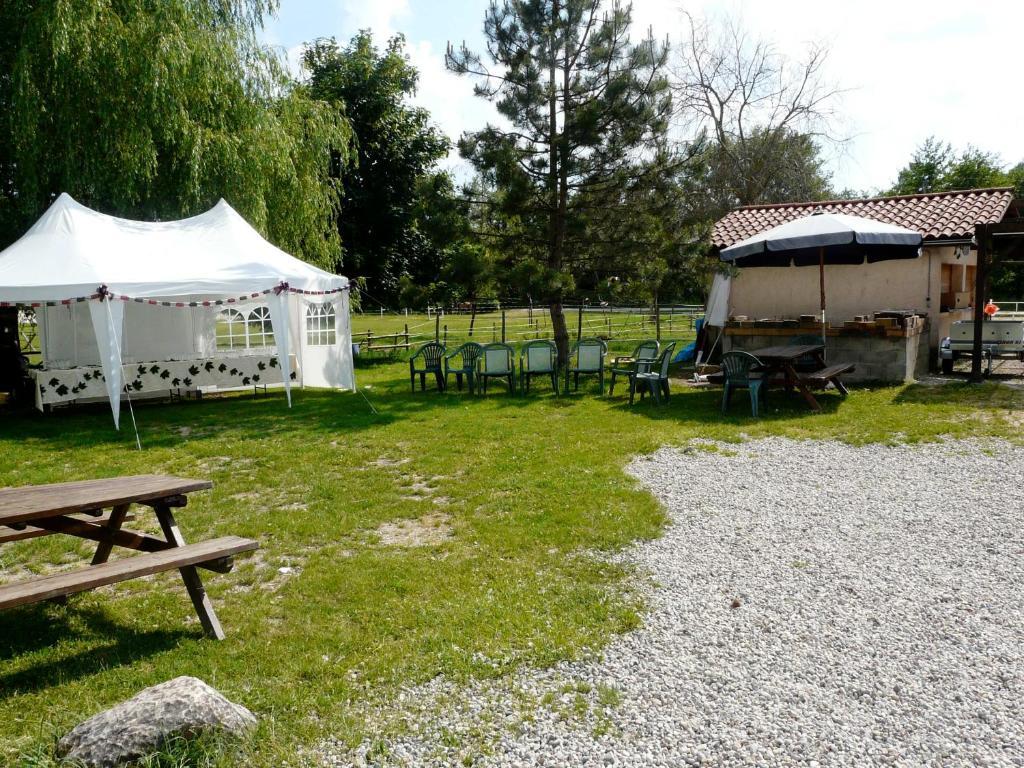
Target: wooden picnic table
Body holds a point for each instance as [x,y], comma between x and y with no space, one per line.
[76,509]
[782,359]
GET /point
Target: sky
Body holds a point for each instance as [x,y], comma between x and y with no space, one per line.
[909,69]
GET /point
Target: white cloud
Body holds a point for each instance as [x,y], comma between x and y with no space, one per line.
[384,17]
[449,98]
[914,68]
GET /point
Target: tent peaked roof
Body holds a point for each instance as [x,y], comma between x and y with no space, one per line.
[72,250]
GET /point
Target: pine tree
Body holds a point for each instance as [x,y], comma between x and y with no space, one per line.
[588,115]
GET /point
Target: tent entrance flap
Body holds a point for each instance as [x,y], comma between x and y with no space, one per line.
[108,325]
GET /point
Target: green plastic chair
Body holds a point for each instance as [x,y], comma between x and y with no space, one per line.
[430,354]
[589,357]
[641,359]
[655,378]
[467,354]
[497,361]
[740,372]
[538,358]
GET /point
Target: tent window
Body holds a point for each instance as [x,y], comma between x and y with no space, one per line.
[236,330]
[320,325]
[261,332]
[231,330]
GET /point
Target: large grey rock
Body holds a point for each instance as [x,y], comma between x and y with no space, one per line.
[184,706]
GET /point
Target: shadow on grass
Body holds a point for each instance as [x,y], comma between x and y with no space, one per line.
[986,395]
[384,402]
[704,405]
[26,630]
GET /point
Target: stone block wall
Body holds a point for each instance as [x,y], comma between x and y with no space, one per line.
[888,359]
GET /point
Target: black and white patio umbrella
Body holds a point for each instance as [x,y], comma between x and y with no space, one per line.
[825,238]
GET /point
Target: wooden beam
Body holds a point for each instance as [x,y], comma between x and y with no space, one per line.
[21,532]
[140,542]
[982,235]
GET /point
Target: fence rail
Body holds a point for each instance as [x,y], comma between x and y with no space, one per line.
[368,341]
[621,325]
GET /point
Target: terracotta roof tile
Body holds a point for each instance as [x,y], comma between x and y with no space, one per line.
[936,215]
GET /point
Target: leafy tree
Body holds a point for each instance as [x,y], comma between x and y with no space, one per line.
[776,165]
[926,169]
[586,112]
[974,169]
[1015,177]
[935,167]
[154,110]
[396,146]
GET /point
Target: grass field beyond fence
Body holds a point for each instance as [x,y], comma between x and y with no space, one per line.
[509,506]
[623,328]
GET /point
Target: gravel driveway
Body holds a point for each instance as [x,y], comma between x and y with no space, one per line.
[814,603]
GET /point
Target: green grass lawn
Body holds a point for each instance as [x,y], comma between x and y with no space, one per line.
[524,493]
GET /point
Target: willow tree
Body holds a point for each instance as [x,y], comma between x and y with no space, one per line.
[155,110]
[586,109]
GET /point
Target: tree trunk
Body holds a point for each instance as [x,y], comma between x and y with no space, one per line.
[472,317]
[561,332]
[556,220]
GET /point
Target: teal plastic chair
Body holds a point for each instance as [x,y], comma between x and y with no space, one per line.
[588,355]
[429,355]
[645,353]
[739,370]
[655,378]
[497,361]
[538,358]
[467,356]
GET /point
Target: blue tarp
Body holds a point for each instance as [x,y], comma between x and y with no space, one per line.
[689,352]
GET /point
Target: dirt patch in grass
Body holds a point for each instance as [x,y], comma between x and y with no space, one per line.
[384,461]
[427,531]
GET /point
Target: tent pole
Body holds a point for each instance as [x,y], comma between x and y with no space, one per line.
[821,277]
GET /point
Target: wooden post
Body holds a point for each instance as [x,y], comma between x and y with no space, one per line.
[437,326]
[502,325]
[193,584]
[821,279]
[981,234]
[579,324]
[446,334]
[494,332]
[407,334]
[657,318]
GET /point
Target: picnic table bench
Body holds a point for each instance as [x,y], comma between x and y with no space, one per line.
[76,509]
[830,375]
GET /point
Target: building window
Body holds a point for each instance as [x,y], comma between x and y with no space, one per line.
[236,330]
[320,325]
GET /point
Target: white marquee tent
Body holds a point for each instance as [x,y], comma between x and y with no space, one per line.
[196,290]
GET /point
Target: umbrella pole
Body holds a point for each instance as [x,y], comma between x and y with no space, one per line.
[821,277]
